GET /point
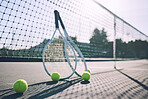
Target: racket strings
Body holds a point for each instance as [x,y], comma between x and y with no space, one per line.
[56,60]
[55,51]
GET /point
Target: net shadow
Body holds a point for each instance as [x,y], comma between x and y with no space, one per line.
[136,81]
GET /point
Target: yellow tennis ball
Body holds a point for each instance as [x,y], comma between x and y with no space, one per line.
[88,70]
[55,76]
[20,86]
[86,76]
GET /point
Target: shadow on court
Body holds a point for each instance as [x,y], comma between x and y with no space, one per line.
[136,81]
[116,84]
[42,90]
[56,88]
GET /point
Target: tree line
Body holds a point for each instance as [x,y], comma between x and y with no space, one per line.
[98,47]
[131,49]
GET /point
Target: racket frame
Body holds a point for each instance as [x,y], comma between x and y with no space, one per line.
[66,42]
[73,44]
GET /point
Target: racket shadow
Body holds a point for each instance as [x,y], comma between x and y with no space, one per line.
[40,90]
[52,88]
[13,96]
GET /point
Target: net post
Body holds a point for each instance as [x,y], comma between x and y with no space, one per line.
[114,43]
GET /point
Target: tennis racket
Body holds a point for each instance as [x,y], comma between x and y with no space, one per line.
[56,57]
[82,66]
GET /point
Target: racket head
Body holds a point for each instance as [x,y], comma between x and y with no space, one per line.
[54,58]
[81,63]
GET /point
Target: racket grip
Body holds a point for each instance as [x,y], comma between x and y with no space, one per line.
[56,13]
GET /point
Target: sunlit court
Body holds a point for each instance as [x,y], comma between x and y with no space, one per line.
[73,49]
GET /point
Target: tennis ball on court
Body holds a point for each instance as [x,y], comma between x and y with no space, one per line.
[20,86]
[88,70]
[86,76]
[55,76]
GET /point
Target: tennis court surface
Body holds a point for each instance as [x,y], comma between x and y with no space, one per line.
[130,80]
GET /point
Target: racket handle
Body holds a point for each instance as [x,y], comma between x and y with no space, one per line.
[56,13]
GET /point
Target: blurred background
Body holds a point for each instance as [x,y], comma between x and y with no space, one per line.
[26,26]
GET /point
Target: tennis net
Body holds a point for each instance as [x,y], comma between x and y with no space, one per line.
[26,26]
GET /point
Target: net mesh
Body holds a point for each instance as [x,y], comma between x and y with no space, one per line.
[26,26]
